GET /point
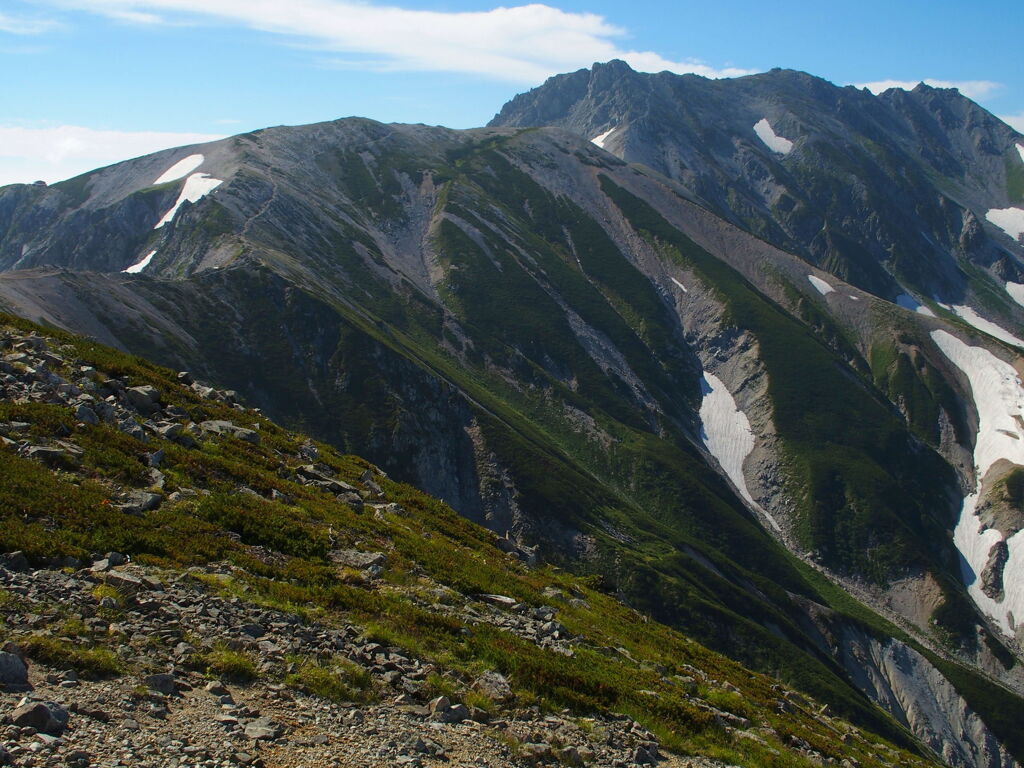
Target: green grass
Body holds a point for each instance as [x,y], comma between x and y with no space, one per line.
[91,661]
[227,664]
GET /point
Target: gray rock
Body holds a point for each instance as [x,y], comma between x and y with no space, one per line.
[494,686]
[132,428]
[45,716]
[221,427]
[86,415]
[352,558]
[13,672]
[143,398]
[263,728]
[992,574]
[162,683]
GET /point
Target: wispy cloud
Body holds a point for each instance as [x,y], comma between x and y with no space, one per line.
[16,25]
[54,153]
[972,89]
[1014,121]
[524,43]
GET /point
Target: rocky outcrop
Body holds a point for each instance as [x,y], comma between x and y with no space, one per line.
[908,686]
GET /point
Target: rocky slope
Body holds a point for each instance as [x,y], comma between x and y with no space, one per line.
[579,354]
[278,604]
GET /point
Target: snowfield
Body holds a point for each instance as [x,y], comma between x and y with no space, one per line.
[999,399]
[180,169]
[725,431]
[775,143]
[683,287]
[1010,220]
[971,317]
[600,140]
[197,186]
[820,285]
[907,301]
[1016,291]
[141,264]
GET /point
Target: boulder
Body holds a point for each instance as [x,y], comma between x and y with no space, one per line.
[13,672]
[263,728]
[352,558]
[162,683]
[144,398]
[86,415]
[494,686]
[45,716]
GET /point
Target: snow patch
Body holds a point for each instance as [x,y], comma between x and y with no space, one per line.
[775,143]
[999,399]
[600,140]
[683,287]
[1010,220]
[725,431]
[197,186]
[141,264]
[1020,150]
[180,169]
[1016,291]
[855,298]
[820,285]
[971,317]
[907,301]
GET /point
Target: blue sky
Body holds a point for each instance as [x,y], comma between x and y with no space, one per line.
[89,82]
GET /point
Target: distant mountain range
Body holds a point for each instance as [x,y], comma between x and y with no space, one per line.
[745,351]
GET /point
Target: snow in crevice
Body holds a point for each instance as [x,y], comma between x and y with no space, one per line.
[180,169]
[1020,151]
[1016,291]
[679,285]
[820,285]
[197,186]
[1010,220]
[907,301]
[775,143]
[725,431]
[141,264]
[600,139]
[999,400]
[972,318]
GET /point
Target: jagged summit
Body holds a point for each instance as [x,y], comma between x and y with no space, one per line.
[877,190]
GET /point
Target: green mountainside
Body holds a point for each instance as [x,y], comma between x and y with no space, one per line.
[245,496]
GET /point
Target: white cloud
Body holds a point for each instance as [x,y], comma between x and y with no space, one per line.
[21,26]
[1014,121]
[525,43]
[54,153]
[972,89]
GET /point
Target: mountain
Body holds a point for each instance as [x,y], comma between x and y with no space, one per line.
[257,593]
[899,193]
[616,366]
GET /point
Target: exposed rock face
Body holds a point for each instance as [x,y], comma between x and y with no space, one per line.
[907,685]
[992,576]
[912,207]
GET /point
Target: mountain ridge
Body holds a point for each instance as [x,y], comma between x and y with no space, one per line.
[528,327]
